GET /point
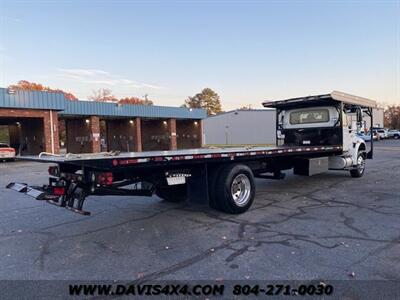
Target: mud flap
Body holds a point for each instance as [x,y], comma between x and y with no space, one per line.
[198,186]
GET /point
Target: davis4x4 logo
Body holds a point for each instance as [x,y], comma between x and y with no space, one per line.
[147,290]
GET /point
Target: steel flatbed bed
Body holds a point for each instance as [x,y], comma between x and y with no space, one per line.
[95,160]
[173,175]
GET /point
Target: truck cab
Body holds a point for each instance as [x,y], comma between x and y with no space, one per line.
[330,120]
[309,126]
[314,126]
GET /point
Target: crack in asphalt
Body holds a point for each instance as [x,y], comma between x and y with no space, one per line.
[242,224]
[120,224]
[378,250]
[349,222]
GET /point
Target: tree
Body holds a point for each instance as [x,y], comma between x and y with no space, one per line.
[135,101]
[24,85]
[392,116]
[103,95]
[207,99]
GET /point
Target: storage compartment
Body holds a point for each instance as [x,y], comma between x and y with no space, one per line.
[311,166]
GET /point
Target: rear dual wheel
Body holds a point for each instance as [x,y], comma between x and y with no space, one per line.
[232,188]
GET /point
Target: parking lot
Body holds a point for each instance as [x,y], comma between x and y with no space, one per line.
[329,226]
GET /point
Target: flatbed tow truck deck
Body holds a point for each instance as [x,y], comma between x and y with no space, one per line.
[314,135]
[131,158]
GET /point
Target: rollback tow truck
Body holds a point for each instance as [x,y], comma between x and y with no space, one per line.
[314,134]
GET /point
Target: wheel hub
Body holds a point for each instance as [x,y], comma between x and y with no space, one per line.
[361,164]
[241,189]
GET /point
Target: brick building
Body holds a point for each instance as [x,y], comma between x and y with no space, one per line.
[34,122]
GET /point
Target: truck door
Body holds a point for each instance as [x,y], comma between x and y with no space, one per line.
[348,132]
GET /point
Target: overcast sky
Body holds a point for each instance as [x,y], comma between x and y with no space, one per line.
[247,51]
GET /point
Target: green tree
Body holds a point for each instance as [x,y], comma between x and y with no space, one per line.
[207,99]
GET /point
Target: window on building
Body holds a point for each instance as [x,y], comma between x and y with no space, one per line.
[4,134]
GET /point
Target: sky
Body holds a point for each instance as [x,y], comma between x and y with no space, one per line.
[247,51]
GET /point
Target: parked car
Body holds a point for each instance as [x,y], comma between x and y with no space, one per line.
[364,136]
[381,132]
[6,152]
[394,134]
[367,136]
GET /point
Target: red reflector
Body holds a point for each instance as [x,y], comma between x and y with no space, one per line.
[58,191]
[105,178]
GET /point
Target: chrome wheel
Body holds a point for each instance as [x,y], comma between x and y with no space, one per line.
[241,190]
[361,163]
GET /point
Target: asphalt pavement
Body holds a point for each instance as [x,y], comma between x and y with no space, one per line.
[325,227]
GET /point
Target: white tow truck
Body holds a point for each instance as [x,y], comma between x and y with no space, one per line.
[314,134]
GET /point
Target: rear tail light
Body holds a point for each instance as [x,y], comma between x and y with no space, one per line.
[54,171]
[7,150]
[105,178]
[58,190]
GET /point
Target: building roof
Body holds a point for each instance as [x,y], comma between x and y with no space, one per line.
[31,99]
[56,101]
[91,108]
[236,111]
[333,96]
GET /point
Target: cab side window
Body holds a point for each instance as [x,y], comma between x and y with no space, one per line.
[345,119]
[309,116]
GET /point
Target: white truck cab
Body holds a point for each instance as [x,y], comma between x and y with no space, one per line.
[329,120]
[324,117]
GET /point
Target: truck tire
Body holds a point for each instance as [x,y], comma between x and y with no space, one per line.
[360,169]
[173,193]
[234,189]
[396,136]
[213,176]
